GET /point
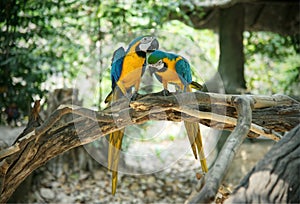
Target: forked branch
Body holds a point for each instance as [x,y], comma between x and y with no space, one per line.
[214,177]
[70,126]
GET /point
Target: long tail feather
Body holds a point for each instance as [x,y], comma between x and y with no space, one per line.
[188,127]
[196,85]
[200,148]
[115,143]
[114,182]
[194,134]
[108,97]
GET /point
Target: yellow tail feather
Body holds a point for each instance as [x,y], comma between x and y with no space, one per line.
[200,148]
[196,85]
[194,135]
[115,143]
[108,98]
[114,182]
[188,127]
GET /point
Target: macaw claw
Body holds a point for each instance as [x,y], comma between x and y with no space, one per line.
[134,96]
[165,92]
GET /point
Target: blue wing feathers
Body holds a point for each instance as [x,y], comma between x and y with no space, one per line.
[116,65]
[183,70]
[182,67]
[171,56]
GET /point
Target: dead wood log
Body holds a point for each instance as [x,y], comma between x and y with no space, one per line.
[214,177]
[60,133]
[276,178]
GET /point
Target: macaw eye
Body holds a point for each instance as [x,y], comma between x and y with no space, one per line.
[160,62]
[145,39]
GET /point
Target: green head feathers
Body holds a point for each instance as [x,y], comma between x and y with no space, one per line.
[156,56]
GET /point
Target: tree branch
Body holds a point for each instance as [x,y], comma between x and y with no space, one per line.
[215,175]
[286,11]
[229,120]
[71,126]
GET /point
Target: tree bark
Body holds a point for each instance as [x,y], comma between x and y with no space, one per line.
[69,127]
[231,62]
[278,16]
[215,176]
[276,178]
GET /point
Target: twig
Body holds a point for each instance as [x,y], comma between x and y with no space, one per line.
[215,176]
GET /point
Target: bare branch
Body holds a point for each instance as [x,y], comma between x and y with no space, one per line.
[228,120]
[215,175]
[72,126]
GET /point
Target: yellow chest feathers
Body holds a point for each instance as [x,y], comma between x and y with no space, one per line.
[131,62]
[170,75]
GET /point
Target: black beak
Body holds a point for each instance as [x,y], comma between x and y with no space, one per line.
[152,70]
[154,46]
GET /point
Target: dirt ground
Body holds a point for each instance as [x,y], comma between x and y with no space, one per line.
[171,180]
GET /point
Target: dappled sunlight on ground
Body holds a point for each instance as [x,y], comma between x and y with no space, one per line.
[166,173]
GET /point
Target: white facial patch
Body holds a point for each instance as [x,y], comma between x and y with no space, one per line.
[144,47]
[159,65]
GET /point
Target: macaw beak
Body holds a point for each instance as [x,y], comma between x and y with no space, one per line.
[154,45]
[152,70]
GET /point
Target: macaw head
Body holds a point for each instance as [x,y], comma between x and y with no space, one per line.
[155,61]
[144,44]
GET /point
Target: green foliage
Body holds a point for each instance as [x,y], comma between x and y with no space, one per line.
[35,44]
[270,45]
[43,41]
[272,64]
[200,47]
[135,16]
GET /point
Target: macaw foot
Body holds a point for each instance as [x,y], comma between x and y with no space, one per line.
[165,92]
[135,96]
[178,91]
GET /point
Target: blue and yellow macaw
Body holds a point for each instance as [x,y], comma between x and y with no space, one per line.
[174,69]
[127,69]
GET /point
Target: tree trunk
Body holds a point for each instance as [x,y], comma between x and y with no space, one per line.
[275,179]
[231,62]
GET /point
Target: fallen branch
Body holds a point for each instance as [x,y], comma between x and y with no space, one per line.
[215,175]
[70,126]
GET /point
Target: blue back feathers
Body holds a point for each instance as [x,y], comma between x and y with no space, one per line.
[117,61]
[116,66]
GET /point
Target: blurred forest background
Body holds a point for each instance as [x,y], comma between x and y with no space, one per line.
[68,44]
[47,45]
